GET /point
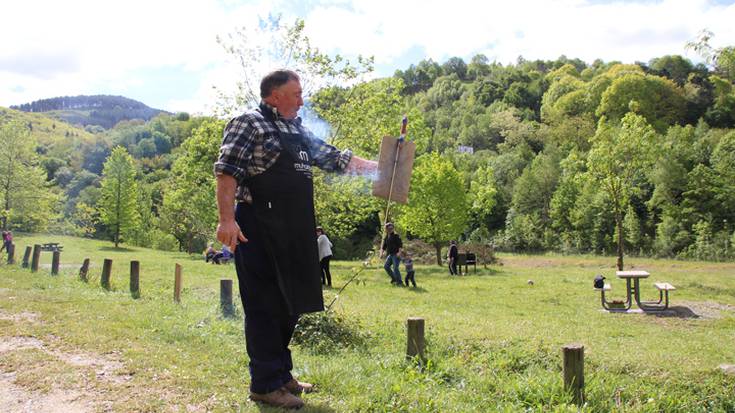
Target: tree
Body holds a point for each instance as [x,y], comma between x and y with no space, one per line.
[437,207]
[618,157]
[188,211]
[118,203]
[25,199]
[366,113]
[482,194]
[272,44]
[657,99]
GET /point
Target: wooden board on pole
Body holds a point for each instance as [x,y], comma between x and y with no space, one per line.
[403,169]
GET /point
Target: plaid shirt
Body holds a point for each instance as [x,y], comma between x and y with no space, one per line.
[251,145]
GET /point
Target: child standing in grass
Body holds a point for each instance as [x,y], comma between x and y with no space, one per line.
[408,262]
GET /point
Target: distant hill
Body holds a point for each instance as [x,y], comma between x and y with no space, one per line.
[103,110]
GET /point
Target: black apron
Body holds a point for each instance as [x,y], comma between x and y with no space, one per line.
[278,268]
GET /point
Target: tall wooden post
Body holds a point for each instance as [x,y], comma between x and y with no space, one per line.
[225,298]
[11,253]
[84,270]
[36,257]
[573,370]
[106,270]
[135,279]
[26,257]
[177,284]
[55,262]
[415,342]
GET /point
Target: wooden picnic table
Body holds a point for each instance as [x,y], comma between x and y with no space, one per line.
[51,246]
[632,291]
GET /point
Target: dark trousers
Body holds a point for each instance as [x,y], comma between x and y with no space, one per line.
[410,275]
[453,266]
[326,276]
[267,337]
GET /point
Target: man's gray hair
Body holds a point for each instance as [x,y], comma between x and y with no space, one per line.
[276,79]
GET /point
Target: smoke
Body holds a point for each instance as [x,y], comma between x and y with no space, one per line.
[318,126]
[323,130]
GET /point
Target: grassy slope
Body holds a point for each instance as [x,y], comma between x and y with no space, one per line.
[493,340]
[51,133]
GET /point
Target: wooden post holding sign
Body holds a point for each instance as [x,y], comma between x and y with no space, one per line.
[106,270]
[135,279]
[415,338]
[573,369]
[84,270]
[403,167]
[36,257]
[26,257]
[177,284]
[11,253]
[225,298]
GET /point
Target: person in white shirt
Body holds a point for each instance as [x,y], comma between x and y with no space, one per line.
[325,254]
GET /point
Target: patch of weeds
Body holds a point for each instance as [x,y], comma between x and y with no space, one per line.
[322,332]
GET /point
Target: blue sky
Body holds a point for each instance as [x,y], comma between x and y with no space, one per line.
[165,54]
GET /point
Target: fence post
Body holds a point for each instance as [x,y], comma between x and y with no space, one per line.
[574,371]
[106,269]
[225,298]
[36,257]
[11,253]
[177,284]
[55,263]
[415,342]
[26,257]
[83,271]
[135,279]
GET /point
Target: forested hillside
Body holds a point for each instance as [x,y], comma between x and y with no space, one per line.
[557,155]
[100,110]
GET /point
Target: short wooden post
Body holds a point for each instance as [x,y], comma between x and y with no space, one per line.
[106,270]
[225,298]
[177,284]
[135,279]
[83,271]
[36,257]
[26,257]
[573,370]
[11,253]
[415,342]
[55,263]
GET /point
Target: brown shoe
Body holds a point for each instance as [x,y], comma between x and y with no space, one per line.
[297,387]
[278,398]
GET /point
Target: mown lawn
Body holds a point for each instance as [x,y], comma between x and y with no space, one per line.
[493,340]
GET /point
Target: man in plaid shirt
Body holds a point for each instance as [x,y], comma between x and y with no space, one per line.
[266,215]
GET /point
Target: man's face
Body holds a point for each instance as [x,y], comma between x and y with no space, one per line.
[389,228]
[287,99]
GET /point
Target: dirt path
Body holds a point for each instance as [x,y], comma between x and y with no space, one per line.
[71,396]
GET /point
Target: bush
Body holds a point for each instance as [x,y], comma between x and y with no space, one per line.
[323,332]
[164,241]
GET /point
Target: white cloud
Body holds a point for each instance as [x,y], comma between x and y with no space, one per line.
[72,47]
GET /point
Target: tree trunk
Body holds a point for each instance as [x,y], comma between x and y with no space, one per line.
[438,247]
[619,223]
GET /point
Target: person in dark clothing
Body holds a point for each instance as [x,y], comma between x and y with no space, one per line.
[392,245]
[453,255]
[265,201]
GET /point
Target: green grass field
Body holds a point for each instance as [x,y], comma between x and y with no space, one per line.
[493,340]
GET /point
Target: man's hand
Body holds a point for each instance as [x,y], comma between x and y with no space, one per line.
[228,233]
